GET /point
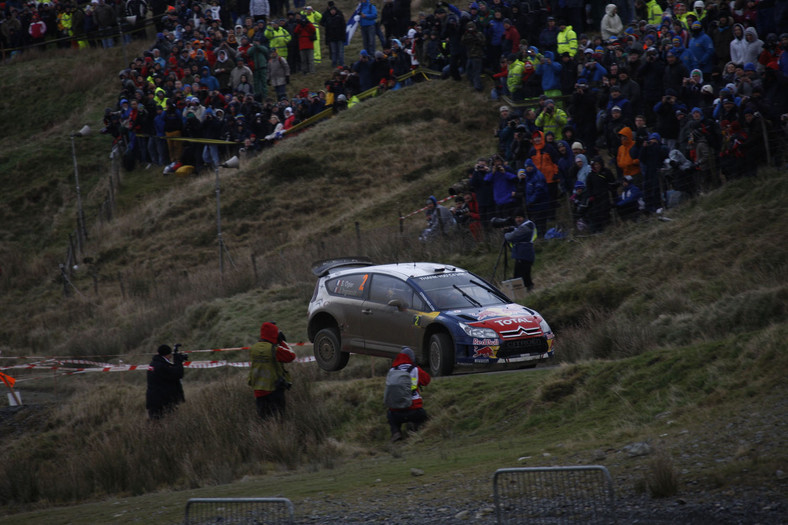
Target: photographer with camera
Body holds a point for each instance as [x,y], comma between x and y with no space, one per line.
[165,390]
[521,238]
[267,375]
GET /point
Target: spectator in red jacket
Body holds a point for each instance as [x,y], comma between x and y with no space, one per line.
[306,35]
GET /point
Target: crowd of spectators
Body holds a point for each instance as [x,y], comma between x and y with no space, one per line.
[674,101]
[703,86]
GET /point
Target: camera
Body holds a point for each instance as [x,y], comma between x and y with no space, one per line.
[502,222]
[282,384]
[177,356]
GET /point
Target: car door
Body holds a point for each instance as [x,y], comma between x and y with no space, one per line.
[388,328]
[348,294]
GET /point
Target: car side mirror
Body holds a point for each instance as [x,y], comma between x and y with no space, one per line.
[399,303]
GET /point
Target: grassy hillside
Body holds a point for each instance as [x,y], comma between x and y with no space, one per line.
[663,327]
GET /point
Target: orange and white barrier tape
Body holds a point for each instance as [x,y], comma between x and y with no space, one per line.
[425,208]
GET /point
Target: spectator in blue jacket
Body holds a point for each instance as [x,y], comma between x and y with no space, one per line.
[208,79]
[701,49]
[629,203]
[550,71]
[503,182]
[532,190]
[368,15]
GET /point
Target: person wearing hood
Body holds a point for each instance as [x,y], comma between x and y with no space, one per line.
[625,164]
[701,49]
[222,68]
[550,71]
[440,220]
[414,415]
[753,46]
[267,376]
[611,23]
[580,170]
[531,190]
[566,160]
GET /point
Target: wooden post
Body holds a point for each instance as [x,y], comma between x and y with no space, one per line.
[9,382]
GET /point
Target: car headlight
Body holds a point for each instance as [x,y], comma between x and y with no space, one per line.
[545,327]
[481,333]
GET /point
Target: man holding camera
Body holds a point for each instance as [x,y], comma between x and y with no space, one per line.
[267,376]
[165,390]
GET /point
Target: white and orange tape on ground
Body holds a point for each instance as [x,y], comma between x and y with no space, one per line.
[411,214]
[57,363]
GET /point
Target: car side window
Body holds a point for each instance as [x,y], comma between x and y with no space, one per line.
[385,288]
[354,285]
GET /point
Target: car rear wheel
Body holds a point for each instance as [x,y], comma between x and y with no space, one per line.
[328,353]
[441,354]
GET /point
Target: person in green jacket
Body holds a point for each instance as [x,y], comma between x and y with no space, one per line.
[514,80]
[267,376]
[260,54]
[566,40]
[278,37]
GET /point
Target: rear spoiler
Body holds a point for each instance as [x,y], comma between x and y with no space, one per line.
[321,268]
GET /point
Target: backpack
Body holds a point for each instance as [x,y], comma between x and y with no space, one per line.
[399,387]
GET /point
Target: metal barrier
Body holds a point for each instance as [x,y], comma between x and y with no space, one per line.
[232,511]
[551,495]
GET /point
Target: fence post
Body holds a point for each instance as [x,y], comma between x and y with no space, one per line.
[64,278]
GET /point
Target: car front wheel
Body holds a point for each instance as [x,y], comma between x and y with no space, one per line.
[441,353]
[328,353]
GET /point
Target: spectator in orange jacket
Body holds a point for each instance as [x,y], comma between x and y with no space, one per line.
[625,164]
[545,156]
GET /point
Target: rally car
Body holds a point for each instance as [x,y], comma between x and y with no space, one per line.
[448,316]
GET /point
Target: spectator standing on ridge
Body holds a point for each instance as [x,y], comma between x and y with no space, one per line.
[474,43]
[259,54]
[414,415]
[368,15]
[334,22]
[165,390]
[305,33]
[611,23]
[267,376]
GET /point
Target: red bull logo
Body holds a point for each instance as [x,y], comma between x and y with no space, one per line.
[486,351]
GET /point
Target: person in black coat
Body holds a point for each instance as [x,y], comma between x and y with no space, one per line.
[651,154]
[165,390]
[600,186]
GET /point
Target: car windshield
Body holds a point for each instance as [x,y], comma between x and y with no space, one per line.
[458,290]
